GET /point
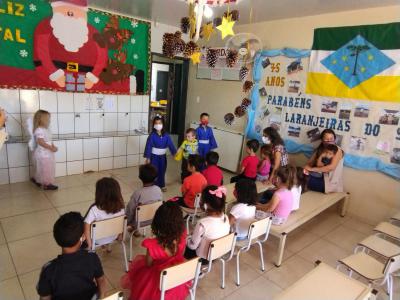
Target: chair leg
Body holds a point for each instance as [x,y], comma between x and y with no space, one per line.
[130,246]
[187,224]
[125,257]
[350,273]
[223,274]
[390,289]
[238,268]
[261,256]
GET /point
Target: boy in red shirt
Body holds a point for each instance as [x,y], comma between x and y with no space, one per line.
[212,173]
[249,163]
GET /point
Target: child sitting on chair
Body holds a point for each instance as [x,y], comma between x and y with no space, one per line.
[249,163]
[76,273]
[108,204]
[147,194]
[212,173]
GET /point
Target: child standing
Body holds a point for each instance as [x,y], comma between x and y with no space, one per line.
[205,136]
[281,203]
[249,163]
[244,212]
[264,167]
[212,173]
[43,154]
[108,204]
[75,273]
[189,146]
[214,226]
[156,150]
[163,251]
[148,194]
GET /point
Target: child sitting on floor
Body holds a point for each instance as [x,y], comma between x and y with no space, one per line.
[264,166]
[75,273]
[244,212]
[147,194]
[215,225]
[249,163]
[108,204]
[189,146]
[163,251]
[281,203]
[212,173]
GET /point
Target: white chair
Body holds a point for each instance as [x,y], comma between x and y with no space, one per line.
[395,218]
[116,296]
[193,213]
[144,215]
[388,230]
[258,234]
[374,271]
[180,274]
[109,228]
[378,245]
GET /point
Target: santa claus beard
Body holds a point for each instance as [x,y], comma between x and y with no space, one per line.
[71,32]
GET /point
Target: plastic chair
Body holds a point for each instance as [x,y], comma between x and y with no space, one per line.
[144,215]
[395,217]
[388,230]
[257,229]
[180,274]
[219,248]
[374,271]
[378,245]
[193,213]
[108,228]
[116,296]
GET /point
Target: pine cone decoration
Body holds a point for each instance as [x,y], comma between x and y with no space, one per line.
[234,15]
[185,25]
[217,21]
[244,71]
[239,111]
[212,57]
[246,102]
[247,86]
[168,47]
[231,57]
[229,118]
[190,48]
[179,44]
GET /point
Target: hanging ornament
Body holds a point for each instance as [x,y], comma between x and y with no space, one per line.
[226,27]
[168,47]
[217,21]
[232,16]
[246,102]
[212,56]
[229,118]
[196,58]
[244,71]
[239,111]
[179,44]
[185,24]
[190,48]
[247,86]
[231,57]
[207,30]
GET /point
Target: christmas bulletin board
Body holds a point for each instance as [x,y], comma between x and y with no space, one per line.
[41,48]
[350,84]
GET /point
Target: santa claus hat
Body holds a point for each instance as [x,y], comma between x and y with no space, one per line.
[79,3]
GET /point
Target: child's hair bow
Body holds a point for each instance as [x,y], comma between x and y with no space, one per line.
[219,192]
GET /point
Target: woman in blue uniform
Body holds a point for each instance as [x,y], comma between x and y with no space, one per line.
[205,136]
[156,150]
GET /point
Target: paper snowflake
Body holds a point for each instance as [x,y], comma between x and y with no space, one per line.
[32,7]
[133,41]
[135,56]
[97,20]
[134,23]
[23,53]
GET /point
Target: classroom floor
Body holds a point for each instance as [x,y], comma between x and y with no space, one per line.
[27,215]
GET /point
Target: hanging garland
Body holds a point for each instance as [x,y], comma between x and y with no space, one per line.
[231,57]
[211,57]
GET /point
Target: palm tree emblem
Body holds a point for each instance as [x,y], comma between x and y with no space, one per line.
[356,50]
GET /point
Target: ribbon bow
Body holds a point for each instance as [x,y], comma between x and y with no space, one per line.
[219,192]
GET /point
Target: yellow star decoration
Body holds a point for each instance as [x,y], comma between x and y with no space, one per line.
[344,57]
[207,31]
[226,27]
[334,62]
[195,57]
[346,68]
[363,69]
[370,57]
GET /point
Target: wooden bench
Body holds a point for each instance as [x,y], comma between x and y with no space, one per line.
[311,204]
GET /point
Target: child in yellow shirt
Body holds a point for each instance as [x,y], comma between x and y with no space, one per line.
[189,146]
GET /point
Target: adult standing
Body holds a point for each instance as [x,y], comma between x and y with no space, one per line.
[3,133]
[329,178]
[280,156]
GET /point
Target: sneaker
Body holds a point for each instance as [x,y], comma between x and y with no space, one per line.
[50,187]
[35,182]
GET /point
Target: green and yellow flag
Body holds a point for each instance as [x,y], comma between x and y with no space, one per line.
[356,62]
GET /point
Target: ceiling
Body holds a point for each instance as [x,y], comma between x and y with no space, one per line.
[170,11]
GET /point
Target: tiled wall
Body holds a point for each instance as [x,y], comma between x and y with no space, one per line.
[75,114]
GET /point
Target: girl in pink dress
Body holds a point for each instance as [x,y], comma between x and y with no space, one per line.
[163,251]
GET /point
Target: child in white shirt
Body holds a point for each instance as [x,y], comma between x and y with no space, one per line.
[299,186]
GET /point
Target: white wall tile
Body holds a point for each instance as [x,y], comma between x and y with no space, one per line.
[24,118]
[74,150]
[110,122]
[74,167]
[17,155]
[13,124]
[48,101]
[119,162]
[136,121]
[19,174]
[105,163]
[143,140]
[145,122]
[110,103]
[123,121]
[136,103]
[29,101]
[61,169]
[65,102]
[120,145]
[124,103]
[133,145]
[96,122]
[3,157]
[132,160]
[90,148]
[81,102]
[145,103]
[53,123]
[61,154]
[90,165]
[97,102]
[4,179]
[9,100]
[106,147]
[66,123]
[81,122]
